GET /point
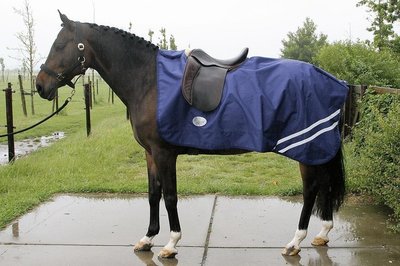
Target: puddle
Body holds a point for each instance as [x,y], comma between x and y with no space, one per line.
[24,147]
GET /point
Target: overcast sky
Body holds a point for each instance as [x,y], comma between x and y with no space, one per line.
[221,27]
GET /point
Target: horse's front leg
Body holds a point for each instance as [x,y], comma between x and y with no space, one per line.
[146,243]
[166,162]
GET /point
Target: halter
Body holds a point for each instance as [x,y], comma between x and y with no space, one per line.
[63,76]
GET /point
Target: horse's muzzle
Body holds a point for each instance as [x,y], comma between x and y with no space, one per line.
[43,92]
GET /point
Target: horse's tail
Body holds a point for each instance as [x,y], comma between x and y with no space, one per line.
[331,187]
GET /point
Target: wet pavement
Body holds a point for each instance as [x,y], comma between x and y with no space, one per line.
[217,230]
[27,146]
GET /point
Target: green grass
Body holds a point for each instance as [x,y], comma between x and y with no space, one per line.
[110,160]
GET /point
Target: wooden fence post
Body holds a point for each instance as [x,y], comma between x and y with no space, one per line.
[87,108]
[363,90]
[91,99]
[110,95]
[93,91]
[32,94]
[10,124]
[55,102]
[348,110]
[351,109]
[21,88]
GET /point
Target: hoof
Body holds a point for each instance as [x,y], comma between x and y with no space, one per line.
[292,251]
[167,254]
[319,241]
[142,246]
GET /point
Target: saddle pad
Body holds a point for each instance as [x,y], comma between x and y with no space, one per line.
[279,105]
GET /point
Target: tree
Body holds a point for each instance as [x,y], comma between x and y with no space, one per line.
[360,63]
[303,44]
[130,26]
[172,44]
[2,68]
[151,33]
[28,46]
[386,13]
[163,41]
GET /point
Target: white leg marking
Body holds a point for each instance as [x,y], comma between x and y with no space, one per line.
[144,244]
[169,250]
[298,237]
[174,238]
[293,247]
[147,240]
[326,227]
[322,238]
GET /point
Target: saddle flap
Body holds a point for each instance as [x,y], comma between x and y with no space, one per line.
[202,86]
[207,88]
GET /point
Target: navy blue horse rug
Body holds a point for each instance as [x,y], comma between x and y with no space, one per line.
[284,106]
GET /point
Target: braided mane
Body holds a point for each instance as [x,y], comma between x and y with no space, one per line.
[124,34]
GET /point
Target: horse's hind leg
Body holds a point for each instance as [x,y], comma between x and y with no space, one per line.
[323,185]
[322,238]
[310,190]
[154,185]
[324,210]
[330,196]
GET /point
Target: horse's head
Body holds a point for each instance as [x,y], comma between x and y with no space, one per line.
[65,60]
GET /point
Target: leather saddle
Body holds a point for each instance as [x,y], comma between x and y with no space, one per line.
[204,78]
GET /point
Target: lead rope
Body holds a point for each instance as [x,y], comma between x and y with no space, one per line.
[47,118]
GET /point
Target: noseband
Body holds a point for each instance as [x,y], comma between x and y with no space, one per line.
[62,77]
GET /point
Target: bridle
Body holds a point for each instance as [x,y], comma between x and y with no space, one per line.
[62,77]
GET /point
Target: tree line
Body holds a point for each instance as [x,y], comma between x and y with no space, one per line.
[373,62]
[163,41]
[361,62]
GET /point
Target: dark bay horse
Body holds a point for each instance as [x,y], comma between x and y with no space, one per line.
[129,65]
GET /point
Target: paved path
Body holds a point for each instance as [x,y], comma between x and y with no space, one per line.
[100,230]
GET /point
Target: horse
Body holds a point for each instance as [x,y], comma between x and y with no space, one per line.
[129,65]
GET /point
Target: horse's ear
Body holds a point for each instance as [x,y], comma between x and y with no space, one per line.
[65,21]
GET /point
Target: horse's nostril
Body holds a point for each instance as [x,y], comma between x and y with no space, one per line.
[39,89]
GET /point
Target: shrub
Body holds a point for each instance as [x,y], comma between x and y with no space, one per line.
[360,63]
[375,152]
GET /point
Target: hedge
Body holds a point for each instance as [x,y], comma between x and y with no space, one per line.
[375,152]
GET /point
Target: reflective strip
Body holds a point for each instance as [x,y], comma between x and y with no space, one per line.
[309,139]
[308,128]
